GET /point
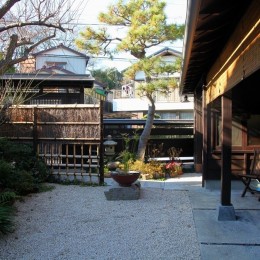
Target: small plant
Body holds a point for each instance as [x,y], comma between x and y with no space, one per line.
[128,155]
[8,198]
[156,150]
[155,169]
[6,219]
[174,153]
[174,167]
[150,170]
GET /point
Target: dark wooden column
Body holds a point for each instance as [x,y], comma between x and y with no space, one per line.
[226,139]
[206,126]
[198,132]
[35,129]
[101,160]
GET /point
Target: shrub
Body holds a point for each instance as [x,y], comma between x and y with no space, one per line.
[7,211]
[8,198]
[153,169]
[21,172]
[6,219]
[20,169]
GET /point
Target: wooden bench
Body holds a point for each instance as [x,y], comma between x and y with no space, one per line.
[251,181]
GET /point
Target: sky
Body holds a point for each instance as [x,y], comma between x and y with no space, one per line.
[175,11]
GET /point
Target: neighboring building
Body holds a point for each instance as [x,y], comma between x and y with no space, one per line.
[174,113]
[170,106]
[27,66]
[59,77]
[60,57]
[63,58]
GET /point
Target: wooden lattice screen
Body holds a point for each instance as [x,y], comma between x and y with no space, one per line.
[68,137]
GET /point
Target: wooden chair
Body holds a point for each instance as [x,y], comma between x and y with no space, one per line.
[252,180]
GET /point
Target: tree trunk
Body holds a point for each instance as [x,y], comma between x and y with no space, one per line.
[147,131]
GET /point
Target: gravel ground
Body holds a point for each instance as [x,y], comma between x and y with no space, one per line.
[73,222]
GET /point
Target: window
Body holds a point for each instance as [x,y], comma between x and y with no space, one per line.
[167,115]
[61,65]
[253,130]
[236,133]
[186,115]
[54,89]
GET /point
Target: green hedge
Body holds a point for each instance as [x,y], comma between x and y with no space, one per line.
[21,173]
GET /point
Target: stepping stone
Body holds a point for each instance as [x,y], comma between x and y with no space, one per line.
[124,193]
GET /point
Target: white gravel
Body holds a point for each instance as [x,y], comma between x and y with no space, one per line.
[73,222]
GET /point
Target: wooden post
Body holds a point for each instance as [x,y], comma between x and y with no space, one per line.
[35,128]
[226,139]
[226,211]
[206,128]
[198,133]
[101,150]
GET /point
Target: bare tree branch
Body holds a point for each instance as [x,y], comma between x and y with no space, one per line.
[7,6]
[8,61]
[39,23]
[29,24]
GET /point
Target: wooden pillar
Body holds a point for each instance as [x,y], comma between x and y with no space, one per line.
[35,128]
[226,140]
[206,126]
[198,141]
[101,151]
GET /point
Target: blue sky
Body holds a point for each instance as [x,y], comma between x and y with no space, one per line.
[175,11]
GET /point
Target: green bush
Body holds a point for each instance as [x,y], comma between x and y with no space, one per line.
[6,173]
[8,198]
[6,219]
[20,169]
[7,212]
[21,172]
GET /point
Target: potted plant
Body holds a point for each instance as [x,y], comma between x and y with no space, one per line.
[123,174]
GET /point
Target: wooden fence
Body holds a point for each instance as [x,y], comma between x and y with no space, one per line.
[68,137]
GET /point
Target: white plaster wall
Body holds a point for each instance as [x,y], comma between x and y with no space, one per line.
[74,63]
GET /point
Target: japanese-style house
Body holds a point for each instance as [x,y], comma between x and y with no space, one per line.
[222,69]
[65,132]
[53,76]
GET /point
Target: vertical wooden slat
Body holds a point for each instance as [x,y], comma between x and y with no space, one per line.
[74,158]
[59,158]
[82,160]
[51,150]
[35,128]
[67,159]
[44,153]
[90,160]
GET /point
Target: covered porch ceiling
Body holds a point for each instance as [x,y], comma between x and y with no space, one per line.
[209,24]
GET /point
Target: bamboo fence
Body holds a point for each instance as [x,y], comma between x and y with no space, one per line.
[68,138]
